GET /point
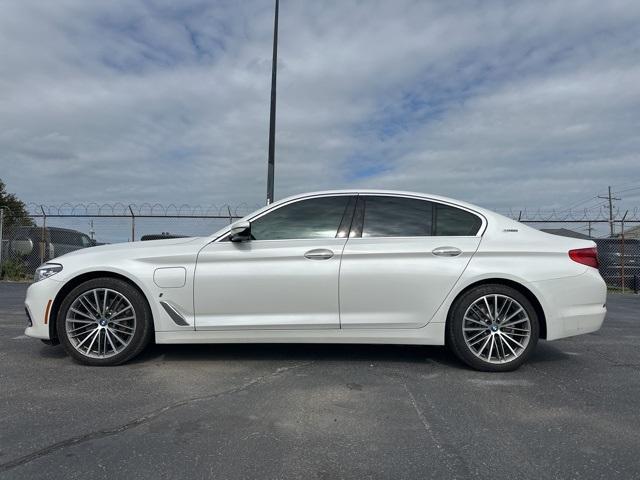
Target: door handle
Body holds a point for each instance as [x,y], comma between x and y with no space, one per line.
[319,254]
[447,251]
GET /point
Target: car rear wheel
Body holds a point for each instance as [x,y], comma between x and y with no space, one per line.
[104,321]
[493,328]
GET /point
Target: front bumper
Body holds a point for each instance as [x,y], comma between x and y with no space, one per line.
[573,305]
[39,301]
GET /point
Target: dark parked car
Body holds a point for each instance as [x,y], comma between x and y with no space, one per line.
[35,245]
[616,257]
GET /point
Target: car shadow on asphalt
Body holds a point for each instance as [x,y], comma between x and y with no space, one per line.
[212,353]
[548,352]
[294,352]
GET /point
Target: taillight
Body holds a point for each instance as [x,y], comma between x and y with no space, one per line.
[586,256]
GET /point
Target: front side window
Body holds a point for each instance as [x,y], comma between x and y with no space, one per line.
[396,217]
[312,218]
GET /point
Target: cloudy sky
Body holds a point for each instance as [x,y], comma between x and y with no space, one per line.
[504,104]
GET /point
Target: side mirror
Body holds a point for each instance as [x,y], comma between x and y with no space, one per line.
[240,232]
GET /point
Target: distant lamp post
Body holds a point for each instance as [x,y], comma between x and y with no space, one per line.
[272,112]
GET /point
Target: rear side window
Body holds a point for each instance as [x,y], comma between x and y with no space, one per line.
[451,221]
[396,217]
[408,217]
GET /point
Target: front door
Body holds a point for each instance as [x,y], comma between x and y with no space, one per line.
[285,277]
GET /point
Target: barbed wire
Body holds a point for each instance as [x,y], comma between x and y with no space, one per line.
[139,210]
[118,209]
[600,214]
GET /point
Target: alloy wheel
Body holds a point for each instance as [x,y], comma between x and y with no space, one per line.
[100,323]
[496,328]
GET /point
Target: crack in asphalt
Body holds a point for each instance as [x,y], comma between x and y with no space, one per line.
[421,416]
[457,461]
[98,434]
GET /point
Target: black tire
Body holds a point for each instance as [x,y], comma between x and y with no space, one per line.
[454,328]
[143,324]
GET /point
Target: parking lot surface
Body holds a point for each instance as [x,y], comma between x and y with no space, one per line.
[318,411]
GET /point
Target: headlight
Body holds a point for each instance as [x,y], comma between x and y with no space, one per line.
[46,270]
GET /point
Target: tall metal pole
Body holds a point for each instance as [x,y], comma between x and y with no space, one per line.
[272,112]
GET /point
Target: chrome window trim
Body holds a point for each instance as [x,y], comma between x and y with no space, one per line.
[480,232]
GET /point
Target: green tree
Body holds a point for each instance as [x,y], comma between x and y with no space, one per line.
[15,210]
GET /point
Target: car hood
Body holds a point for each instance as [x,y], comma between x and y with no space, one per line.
[134,247]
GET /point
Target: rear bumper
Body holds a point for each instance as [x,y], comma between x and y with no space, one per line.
[40,296]
[573,305]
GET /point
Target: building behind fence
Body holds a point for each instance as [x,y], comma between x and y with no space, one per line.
[47,232]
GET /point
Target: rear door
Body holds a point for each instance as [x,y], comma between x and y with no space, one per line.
[403,257]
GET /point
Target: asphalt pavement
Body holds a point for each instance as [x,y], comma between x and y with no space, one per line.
[321,411]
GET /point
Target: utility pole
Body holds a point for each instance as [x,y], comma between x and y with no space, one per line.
[272,112]
[589,229]
[610,198]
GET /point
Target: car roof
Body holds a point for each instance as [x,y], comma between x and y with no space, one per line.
[56,229]
[60,229]
[370,191]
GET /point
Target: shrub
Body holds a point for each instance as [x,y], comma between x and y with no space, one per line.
[13,270]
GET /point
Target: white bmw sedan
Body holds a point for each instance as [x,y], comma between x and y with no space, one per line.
[329,267]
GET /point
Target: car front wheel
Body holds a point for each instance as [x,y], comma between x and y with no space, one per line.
[493,328]
[104,321]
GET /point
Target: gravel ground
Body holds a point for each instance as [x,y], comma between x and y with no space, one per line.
[318,411]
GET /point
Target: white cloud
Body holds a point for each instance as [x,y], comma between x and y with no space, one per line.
[500,103]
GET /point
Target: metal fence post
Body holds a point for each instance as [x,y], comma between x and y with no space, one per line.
[44,229]
[1,237]
[133,225]
[622,250]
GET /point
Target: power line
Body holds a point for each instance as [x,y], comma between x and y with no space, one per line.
[628,189]
[597,204]
[594,207]
[580,203]
[621,185]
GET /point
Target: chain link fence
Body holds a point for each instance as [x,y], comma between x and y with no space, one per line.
[618,255]
[27,241]
[48,232]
